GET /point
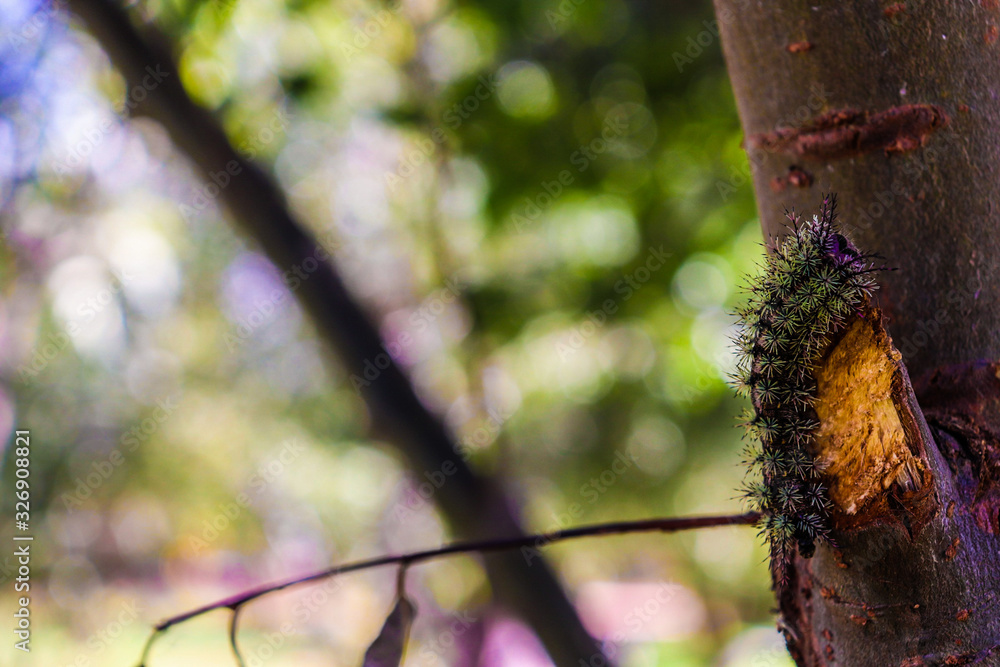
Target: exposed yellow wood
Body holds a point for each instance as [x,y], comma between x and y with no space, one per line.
[861,443]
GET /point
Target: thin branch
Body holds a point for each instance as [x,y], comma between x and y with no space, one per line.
[232,636]
[404,566]
[144,57]
[478,546]
[144,659]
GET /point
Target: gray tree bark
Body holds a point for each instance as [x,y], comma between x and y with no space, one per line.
[896,108]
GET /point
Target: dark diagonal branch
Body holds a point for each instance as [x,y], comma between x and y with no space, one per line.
[530,542]
[473,503]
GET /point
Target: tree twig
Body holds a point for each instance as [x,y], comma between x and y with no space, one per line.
[233,642]
[144,57]
[668,525]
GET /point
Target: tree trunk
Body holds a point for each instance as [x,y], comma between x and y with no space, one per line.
[475,504]
[896,108]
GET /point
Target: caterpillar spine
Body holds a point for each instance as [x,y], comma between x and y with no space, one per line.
[812,283]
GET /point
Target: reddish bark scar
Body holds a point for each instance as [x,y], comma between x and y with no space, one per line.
[963,615]
[992,33]
[799,178]
[846,133]
[950,512]
[796,177]
[893,9]
[860,620]
[799,47]
[952,550]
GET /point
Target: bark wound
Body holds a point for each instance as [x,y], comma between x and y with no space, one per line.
[962,406]
[845,133]
[796,177]
[894,9]
[868,444]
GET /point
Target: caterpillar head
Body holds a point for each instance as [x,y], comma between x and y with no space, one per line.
[841,249]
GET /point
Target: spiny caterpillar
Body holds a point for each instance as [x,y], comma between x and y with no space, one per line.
[813,282]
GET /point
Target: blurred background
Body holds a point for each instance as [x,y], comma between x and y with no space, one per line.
[546,207]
